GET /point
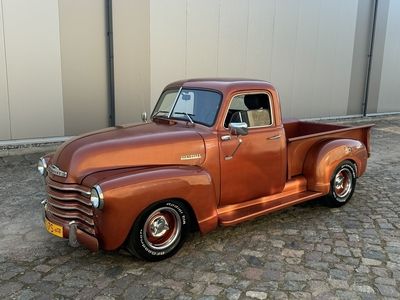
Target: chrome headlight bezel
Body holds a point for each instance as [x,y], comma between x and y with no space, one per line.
[42,166]
[97,197]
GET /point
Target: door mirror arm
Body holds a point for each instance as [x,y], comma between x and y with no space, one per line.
[237,129]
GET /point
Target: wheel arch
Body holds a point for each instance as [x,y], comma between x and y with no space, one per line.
[324,157]
[127,195]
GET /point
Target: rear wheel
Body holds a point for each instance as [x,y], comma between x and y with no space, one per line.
[342,185]
[159,231]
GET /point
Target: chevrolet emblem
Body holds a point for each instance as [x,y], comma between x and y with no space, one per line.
[190,156]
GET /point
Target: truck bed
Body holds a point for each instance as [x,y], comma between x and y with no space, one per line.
[301,136]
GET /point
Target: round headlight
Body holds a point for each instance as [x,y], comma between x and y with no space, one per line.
[96,197]
[42,166]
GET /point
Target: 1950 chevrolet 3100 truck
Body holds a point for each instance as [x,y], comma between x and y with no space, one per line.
[215,152]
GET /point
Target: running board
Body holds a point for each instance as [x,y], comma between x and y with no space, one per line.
[233,214]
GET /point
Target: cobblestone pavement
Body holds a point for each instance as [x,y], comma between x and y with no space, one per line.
[308,251]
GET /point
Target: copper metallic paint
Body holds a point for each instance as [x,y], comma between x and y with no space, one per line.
[128,194]
[137,165]
[325,156]
[126,146]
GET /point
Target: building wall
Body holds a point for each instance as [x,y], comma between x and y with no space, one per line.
[360,58]
[305,48]
[377,56]
[5,126]
[131,28]
[31,87]
[54,73]
[83,41]
[389,92]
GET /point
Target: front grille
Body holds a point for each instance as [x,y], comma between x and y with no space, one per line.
[70,202]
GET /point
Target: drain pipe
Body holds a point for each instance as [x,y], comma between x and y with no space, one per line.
[111,63]
[371,47]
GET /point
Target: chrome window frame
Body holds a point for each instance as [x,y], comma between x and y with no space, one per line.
[252,93]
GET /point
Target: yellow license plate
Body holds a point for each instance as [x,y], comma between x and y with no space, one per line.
[54,229]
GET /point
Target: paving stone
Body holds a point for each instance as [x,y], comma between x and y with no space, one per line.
[256,295]
[308,251]
[9,288]
[388,291]
[30,277]
[233,294]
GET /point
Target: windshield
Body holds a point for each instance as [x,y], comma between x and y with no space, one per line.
[195,106]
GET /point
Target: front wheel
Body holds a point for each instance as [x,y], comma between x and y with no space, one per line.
[342,185]
[159,231]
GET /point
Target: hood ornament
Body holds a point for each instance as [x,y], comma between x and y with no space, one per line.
[56,171]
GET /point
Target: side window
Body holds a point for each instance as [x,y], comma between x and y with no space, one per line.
[253,109]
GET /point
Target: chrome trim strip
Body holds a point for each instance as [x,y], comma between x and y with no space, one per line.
[271,110]
[173,104]
[72,217]
[69,202]
[71,208]
[68,189]
[69,199]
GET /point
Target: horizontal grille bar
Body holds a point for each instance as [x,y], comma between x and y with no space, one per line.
[68,197]
[70,202]
[72,215]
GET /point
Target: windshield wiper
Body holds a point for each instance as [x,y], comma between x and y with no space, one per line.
[186,114]
[161,111]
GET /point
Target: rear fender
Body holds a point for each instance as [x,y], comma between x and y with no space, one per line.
[325,156]
[127,194]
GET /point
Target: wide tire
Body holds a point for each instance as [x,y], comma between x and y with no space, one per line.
[159,231]
[342,185]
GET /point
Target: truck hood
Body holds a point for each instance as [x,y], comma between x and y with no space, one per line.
[148,144]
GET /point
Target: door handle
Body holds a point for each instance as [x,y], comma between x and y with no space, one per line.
[277,136]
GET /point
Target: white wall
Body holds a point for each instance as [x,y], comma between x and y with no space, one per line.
[167,44]
[389,92]
[305,48]
[33,65]
[131,59]
[5,129]
[202,42]
[83,33]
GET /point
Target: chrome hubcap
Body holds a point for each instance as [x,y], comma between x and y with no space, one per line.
[343,184]
[162,229]
[159,226]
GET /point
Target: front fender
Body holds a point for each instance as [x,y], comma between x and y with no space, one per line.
[127,194]
[325,156]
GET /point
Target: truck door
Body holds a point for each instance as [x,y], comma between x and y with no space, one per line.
[258,167]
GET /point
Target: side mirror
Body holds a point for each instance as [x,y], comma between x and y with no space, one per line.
[144,117]
[238,129]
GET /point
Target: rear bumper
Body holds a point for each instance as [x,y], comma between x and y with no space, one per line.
[75,236]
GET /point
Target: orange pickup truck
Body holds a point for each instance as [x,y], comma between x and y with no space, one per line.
[214,152]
